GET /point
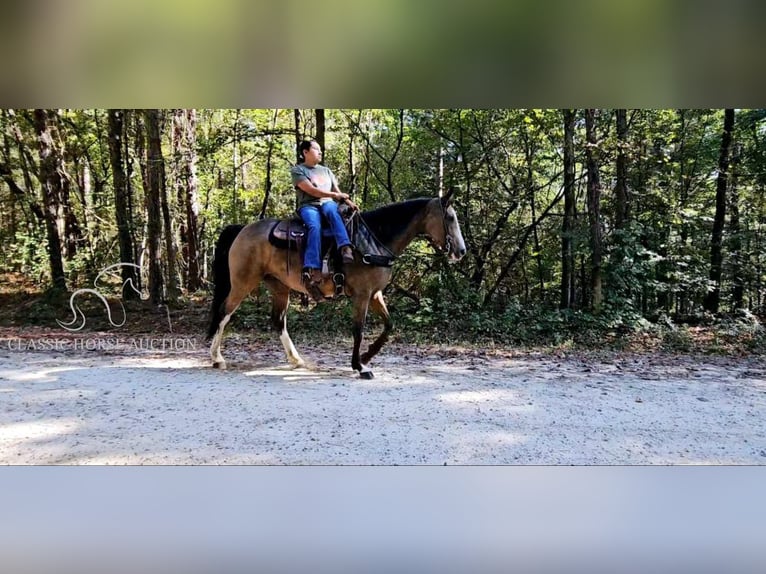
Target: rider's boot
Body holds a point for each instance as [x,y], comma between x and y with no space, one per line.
[347,254]
[311,279]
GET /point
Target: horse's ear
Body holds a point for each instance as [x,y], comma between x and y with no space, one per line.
[447,198]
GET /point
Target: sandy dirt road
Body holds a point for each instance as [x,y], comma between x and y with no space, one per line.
[130,405]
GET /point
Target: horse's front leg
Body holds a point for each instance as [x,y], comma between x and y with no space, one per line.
[378,306]
[361,303]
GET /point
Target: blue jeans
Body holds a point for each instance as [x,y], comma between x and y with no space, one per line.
[312,217]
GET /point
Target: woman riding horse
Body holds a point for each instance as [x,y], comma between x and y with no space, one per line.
[316,187]
[244,257]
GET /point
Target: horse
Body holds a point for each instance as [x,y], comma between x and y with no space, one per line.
[244,257]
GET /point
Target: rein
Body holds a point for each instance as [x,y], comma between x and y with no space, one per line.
[373,251]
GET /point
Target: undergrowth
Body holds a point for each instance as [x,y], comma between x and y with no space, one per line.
[456,319]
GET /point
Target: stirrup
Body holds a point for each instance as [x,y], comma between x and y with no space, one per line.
[340,283]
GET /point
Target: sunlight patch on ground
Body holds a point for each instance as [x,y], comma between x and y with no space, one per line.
[285,372]
[42,376]
[299,378]
[155,363]
[483,396]
[10,434]
[294,375]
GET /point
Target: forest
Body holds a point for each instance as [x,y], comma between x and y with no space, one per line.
[579,223]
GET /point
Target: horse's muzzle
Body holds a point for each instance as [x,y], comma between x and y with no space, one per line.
[456,255]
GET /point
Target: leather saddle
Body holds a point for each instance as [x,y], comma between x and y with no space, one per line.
[291,234]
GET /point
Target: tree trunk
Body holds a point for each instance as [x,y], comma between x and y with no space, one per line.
[682,300]
[585,293]
[192,200]
[320,139]
[712,300]
[26,158]
[594,215]
[367,167]
[757,236]
[390,164]
[157,162]
[351,163]
[153,191]
[85,188]
[72,230]
[530,184]
[234,168]
[440,183]
[179,187]
[621,184]
[269,158]
[70,233]
[129,117]
[298,134]
[116,134]
[187,192]
[51,178]
[737,267]
[567,254]
[25,197]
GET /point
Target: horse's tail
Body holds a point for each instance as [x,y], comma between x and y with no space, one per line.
[221,277]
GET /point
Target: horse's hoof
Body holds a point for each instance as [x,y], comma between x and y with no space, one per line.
[367,375]
[219,365]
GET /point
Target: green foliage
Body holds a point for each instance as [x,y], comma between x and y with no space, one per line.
[742,326]
[450,311]
[27,253]
[673,338]
[507,167]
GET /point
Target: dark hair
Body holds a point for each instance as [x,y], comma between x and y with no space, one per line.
[305,145]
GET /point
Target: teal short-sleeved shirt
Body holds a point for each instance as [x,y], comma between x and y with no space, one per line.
[318,175]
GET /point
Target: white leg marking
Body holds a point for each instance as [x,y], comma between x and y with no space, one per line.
[365,369]
[215,346]
[290,350]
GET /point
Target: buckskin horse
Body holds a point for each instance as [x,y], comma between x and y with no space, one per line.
[244,257]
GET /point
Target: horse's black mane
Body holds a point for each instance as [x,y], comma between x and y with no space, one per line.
[390,221]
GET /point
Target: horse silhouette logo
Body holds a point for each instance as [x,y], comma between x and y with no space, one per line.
[77,312]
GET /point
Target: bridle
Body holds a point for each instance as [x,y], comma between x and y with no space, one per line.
[448,239]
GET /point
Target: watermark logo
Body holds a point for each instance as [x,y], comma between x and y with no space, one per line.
[77,313]
[121,345]
[117,344]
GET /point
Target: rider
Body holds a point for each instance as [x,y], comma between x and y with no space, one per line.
[316,187]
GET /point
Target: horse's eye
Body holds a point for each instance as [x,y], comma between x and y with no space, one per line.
[450,218]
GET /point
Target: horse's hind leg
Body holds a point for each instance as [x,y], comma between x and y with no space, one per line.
[232,302]
[280,299]
[378,306]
